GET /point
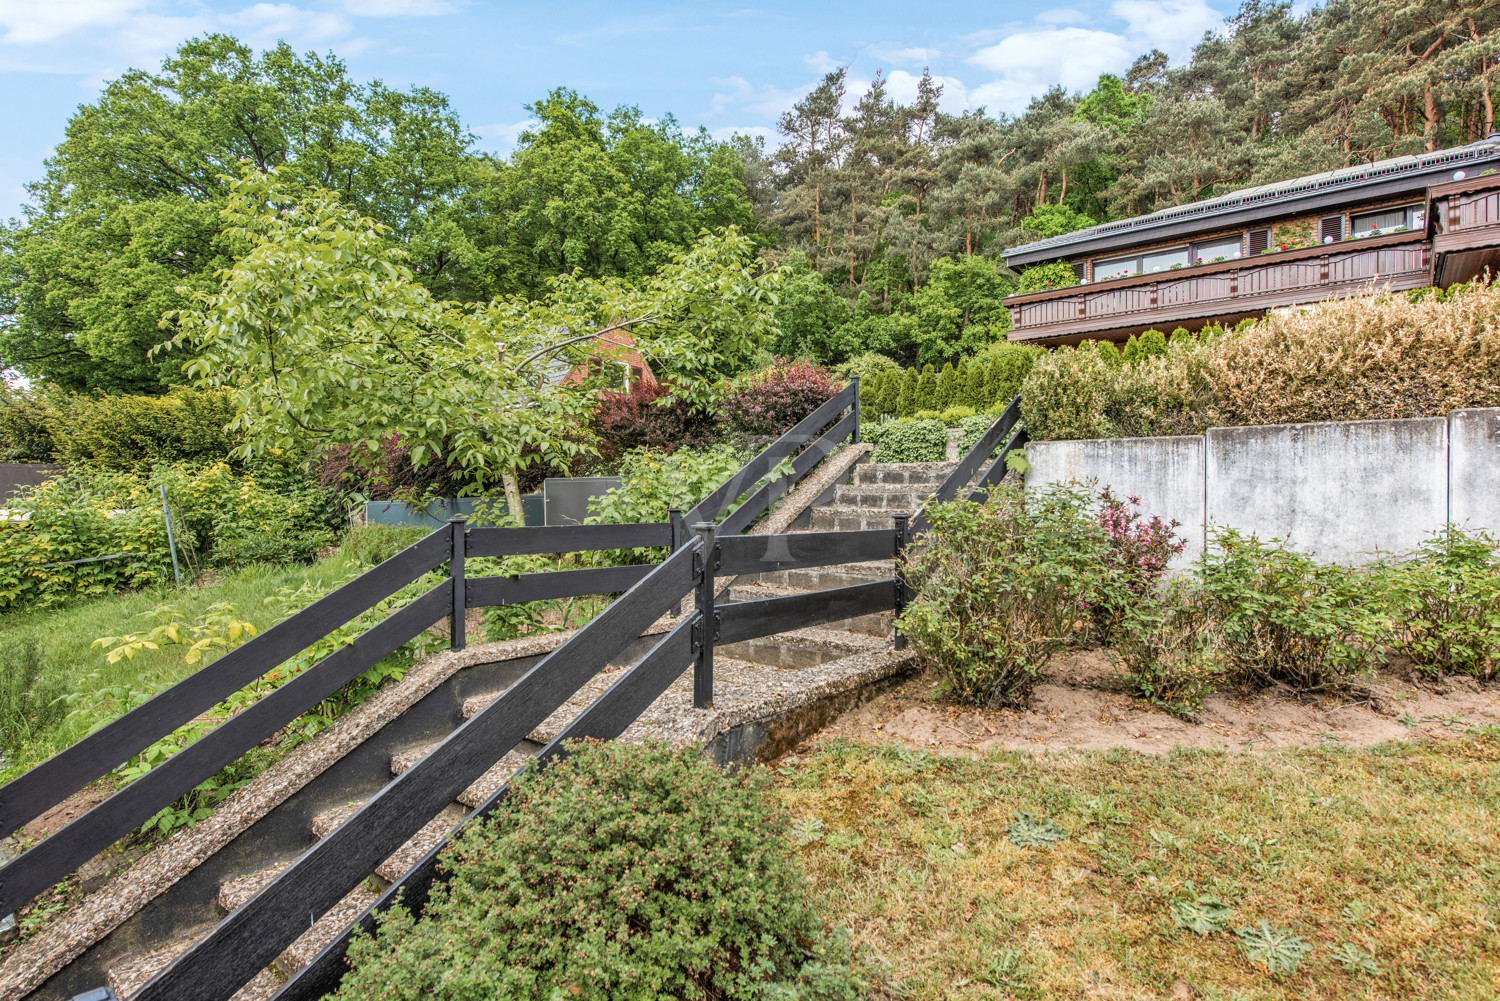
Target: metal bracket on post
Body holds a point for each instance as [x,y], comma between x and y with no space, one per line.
[901,540]
[856,409]
[458,542]
[707,630]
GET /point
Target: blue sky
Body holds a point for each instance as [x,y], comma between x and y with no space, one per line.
[728,67]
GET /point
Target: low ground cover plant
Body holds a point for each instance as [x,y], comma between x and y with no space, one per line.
[624,871]
[1374,356]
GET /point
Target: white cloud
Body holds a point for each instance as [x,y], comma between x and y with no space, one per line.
[902,86]
[915,56]
[283,20]
[767,100]
[1028,61]
[728,132]
[822,63]
[33,22]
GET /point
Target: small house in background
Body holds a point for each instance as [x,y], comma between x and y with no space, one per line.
[613,356]
[1408,222]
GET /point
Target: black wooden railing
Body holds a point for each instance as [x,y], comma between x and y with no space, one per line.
[1006,434]
[95,756]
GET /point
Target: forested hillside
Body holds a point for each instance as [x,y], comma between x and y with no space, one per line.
[891,215]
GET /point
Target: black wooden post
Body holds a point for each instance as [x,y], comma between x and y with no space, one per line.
[457,542]
[675,528]
[708,619]
[901,520]
[856,410]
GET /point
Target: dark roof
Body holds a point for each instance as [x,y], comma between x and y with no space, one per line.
[1376,179]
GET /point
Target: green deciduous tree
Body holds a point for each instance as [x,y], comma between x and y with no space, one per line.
[322,333]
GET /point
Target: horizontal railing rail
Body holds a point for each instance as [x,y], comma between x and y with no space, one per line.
[775,453]
[761,500]
[564,539]
[484,592]
[747,554]
[49,783]
[744,620]
[975,457]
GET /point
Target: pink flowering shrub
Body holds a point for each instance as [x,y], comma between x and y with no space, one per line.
[772,401]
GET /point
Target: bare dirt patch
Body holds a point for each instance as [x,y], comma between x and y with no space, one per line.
[1083,702]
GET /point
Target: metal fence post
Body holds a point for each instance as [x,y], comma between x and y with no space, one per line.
[708,619]
[901,523]
[171,543]
[457,543]
[856,410]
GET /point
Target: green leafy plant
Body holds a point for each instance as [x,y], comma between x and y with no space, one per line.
[1279,950]
[1001,587]
[623,871]
[1028,831]
[1201,915]
[31,698]
[1354,959]
[911,439]
[1169,642]
[218,629]
[1288,619]
[1444,603]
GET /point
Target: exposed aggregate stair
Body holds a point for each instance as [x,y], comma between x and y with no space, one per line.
[876,493]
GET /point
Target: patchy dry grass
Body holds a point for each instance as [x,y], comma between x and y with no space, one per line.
[1390,851]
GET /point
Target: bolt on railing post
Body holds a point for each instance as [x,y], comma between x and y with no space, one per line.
[856,410]
[456,543]
[901,540]
[708,619]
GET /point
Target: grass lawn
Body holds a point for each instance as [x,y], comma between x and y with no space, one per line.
[1389,850]
[65,637]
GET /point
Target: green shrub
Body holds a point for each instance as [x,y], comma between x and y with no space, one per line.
[1444,604]
[1288,619]
[118,433]
[927,398]
[1001,587]
[1169,643]
[622,872]
[909,439]
[906,401]
[651,484]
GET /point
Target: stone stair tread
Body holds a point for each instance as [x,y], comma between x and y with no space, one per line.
[424,841]
[128,976]
[324,823]
[234,892]
[325,930]
[483,787]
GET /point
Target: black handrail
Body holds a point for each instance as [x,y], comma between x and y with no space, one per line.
[961,474]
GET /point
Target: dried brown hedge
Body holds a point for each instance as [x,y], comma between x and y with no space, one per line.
[1368,357]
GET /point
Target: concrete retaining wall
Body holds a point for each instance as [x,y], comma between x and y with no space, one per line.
[1342,491]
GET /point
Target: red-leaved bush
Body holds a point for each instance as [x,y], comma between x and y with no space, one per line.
[772,401]
[636,419]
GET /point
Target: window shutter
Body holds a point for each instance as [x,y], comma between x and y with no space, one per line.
[1330,227]
[1080,269]
[1260,239]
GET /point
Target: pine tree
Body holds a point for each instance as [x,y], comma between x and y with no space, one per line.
[946,385]
[927,389]
[976,394]
[907,401]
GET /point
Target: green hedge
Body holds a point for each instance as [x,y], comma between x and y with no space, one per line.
[118,433]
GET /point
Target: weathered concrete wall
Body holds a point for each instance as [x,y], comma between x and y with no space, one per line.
[1165,473]
[1474,469]
[1342,492]
[1338,491]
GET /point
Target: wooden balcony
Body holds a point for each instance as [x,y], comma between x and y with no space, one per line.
[1466,215]
[1224,293]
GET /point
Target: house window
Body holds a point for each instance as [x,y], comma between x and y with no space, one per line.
[1389,221]
[1164,260]
[1117,267]
[1223,249]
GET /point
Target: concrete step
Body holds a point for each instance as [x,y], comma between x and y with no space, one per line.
[324,930]
[403,858]
[928,473]
[484,787]
[894,497]
[128,976]
[851,519]
[799,649]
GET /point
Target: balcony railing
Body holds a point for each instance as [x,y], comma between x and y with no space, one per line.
[1467,216]
[1227,290]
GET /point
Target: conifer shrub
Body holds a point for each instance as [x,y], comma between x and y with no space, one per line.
[947,382]
[927,389]
[975,392]
[629,872]
[907,400]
